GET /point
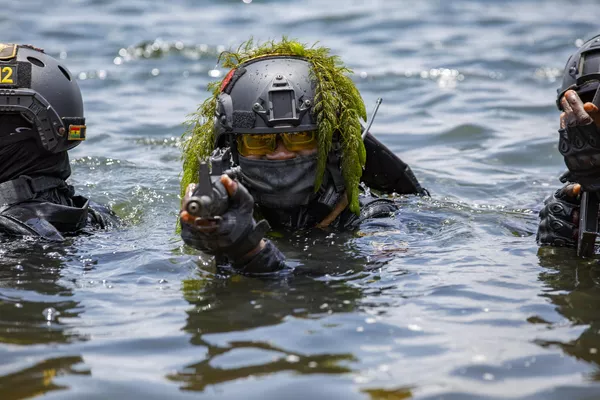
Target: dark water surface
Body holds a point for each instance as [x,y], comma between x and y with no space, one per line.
[456,303]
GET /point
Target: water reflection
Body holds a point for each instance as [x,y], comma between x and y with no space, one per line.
[39,379]
[574,287]
[231,312]
[32,304]
[32,300]
[389,394]
[23,322]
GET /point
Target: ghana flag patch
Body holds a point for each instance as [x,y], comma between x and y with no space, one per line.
[77,132]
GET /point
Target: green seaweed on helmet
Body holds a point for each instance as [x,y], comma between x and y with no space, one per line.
[338,107]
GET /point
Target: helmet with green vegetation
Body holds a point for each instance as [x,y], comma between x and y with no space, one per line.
[283,87]
[582,72]
[40,100]
[256,98]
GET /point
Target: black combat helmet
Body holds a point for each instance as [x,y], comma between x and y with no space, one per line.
[269,94]
[39,89]
[582,72]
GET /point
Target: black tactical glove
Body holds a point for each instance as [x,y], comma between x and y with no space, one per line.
[101,216]
[559,218]
[580,146]
[235,235]
[579,140]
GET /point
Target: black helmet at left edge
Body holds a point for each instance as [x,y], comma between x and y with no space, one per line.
[42,91]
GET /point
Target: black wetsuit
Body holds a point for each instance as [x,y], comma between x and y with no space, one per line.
[270,259]
[35,200]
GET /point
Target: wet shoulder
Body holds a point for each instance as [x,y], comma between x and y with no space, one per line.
[371,207]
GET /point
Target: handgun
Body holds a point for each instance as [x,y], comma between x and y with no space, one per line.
[588,212]
[210,199]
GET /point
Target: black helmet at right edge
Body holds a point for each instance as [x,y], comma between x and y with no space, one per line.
[582,72]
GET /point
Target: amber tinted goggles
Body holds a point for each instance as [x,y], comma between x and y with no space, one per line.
[261,144]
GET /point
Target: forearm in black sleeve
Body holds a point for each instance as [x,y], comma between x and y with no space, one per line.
[268,259]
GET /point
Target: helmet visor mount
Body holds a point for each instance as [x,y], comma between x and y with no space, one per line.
[283,108]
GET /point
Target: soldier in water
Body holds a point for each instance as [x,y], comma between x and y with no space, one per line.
[287,119]
[41,118]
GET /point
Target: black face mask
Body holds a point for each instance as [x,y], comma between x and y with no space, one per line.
[282,183]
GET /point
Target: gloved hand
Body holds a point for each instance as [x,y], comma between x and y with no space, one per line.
[236,235]
[559,219]
[579,140]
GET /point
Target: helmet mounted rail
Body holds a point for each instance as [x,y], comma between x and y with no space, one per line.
[54,134]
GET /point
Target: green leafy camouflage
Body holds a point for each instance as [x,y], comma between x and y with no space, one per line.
[338,107]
